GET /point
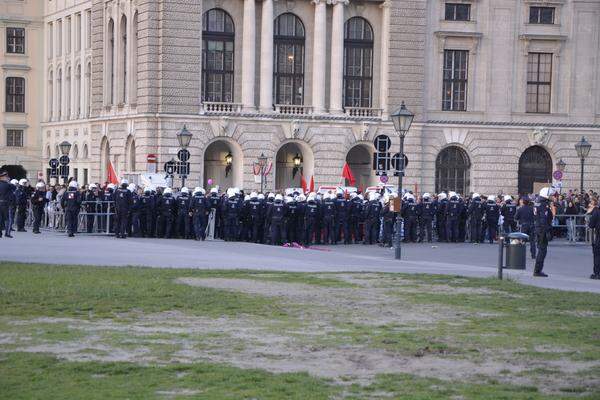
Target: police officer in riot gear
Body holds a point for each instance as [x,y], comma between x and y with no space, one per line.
[372,213]
[147,211]
[441,217]
[543,216]
[341,218]
[183,214]
[328,215]
[232,215]
[38,202]
[275,216]
[311,219]
[476,212]
[525,218]
[594,224]
[199,207]
[508,212]
[165,208]
[71,203]
[122,198]
[453,209]
[492,214]
[428,211]
[21,198]
[410,212]
[90,199]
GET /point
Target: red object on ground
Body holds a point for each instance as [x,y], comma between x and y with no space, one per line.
[112,175]
[347,173]
[303,184]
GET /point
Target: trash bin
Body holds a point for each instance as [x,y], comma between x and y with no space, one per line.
[516,254]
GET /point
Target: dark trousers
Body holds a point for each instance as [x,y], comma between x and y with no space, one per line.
[38,214]
[231,228]
[371,230]
[388,232]
[509,226]
[596,251]
[71,221]
[343,229]
[528,230]
[476,230]
[183,225]
[122,221]
[200,225]
[410,229]
[89,222]
[276,232]
[492,228]
[452,229]
[149,225]
[164,226]
[329,234]
[426,229]
[441,229]
[21,216]
[354,229]
[541,236]
[4,220]
[311,226]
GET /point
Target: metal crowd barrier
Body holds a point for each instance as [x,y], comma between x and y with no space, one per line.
[576,226]
[100,217]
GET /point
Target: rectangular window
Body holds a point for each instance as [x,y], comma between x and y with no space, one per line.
[14,138]
[88,21]
[458,12]
[541,15]
[50,40]
[85,176]
[454,96]
[59,37]
[76,174]
[77,32]
[68,34]
[15,95]
[539,82]
[15,40]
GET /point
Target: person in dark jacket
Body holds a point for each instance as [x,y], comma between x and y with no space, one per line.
[525,219]
[275,216]
[22,202]
[428,211]
[543,216]
[6,194]
[508,212]
[492,214]
[90,202]
[411,211]
[594,224]
[122,198]
[38,203]
[71,204]
[311,219]
[199,207]
[165,209]
[328,215]
[183,214]
[476,212]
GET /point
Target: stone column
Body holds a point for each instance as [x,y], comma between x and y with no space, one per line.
[266,57]
[248,55]
[82,49]
[385,59]
[319,57]
[337,57]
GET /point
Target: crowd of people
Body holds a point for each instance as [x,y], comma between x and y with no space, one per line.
[291,216]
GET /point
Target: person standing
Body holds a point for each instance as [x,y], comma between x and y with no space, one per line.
[594,224]
[5,195]
[428,211]
[122,198]
[38,203]
[71,204]
[543,216]
[21,198]
[199,208]
[525,218]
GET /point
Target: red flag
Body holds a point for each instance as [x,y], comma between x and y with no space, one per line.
[312,183]
[303,183]
[112,175]
[347,173]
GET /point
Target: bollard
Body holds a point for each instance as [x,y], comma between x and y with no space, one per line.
[500,256]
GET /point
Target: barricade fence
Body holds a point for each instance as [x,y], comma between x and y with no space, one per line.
[95,217]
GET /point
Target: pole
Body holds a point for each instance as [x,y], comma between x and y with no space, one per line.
[581,182]
[262,179]
[182,181]
[500,256]
[398,238]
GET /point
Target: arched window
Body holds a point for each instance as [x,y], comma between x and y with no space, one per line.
[535,165]
[50,94]
[358,63]
[130,154]
[59,93]
[124,86]
[110,65]
[75,152]
[15,94]
[452,170]
[217,56]
[289,60]
[88,84]
[85,152]
[134,61]
[78,91]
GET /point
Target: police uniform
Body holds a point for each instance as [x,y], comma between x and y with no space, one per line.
[311,220]
[492,214]
[6,193]
[508,212]
[122,198]
[71,204]
[38,202]
[594,224]
[428,211]
[199,208]
[328,215]
[453,211]
[183,215]
[275,216]
[524,216]
[476,213]
[543,224]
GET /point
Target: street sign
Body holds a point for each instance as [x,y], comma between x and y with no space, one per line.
[384,179]
[183,155]
[170,167]
[183,168]
[396,161]
[151,158]
[63,171]
[558,175]
[53,163]
[381,162]
[64,160]
[382,143]
[53,172]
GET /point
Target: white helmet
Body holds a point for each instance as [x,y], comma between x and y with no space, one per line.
[214,190]
[353,195]
[311,197]
[23,182]
[373,196]
[111,186]
[508,197]
[491,197]
[426,195]
[40,185]
[278,197]
[253,195]
[131,187]
[247,198]
[271,196]
[230,192]
[93,186]
[168,191]
[288,199]
[301,198]
[236,190]
[546,192]
[261,196]
[147,189]
[73,184]
[475,195]
[14,182]
[442,196]
[185,190]
[452,194]
[196,190]
[124,182]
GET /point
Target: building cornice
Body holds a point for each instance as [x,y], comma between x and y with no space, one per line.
[513,124]
[17,67]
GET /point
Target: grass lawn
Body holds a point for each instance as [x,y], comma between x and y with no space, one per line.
[70,332]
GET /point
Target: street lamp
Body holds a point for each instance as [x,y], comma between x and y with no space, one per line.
[262,163]
[228,163]
[402,119]
[583,148]
[561,165]
[65,149]
[184,137]
[297,162]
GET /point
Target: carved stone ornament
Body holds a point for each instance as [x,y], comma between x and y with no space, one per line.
[295,128]
[540,135]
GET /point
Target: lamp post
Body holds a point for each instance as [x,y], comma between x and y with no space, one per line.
[184,137]
[262,163]
[583,148]
[560,166]
[402,119]
[297,165]
[228,163]
[65,149]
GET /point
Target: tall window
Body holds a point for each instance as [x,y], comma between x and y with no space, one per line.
[50,44]
[50,94]
[15,40]
[124,59]
[218,34]
[68,110]
[541,15]
[14,138]
[452,168]
[88,21]
[358,60]
[68,36]
[78,32]
[454,97]
[78,91]
[539,82]
[458,12]
[289,60]
[15,95]
[59,36]
[110,61]
[59,93]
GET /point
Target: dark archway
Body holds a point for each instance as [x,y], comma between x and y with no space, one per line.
[452,170]
[535,165]
[359,159]
[15,171]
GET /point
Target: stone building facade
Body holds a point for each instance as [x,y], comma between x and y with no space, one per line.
[500,89]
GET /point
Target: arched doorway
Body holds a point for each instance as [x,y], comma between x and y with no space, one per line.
[452,170]
[288,171]
[14,171]
[359,159]
[535,165]
[104,159]
[223,165]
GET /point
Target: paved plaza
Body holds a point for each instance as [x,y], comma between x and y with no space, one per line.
[568,265]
